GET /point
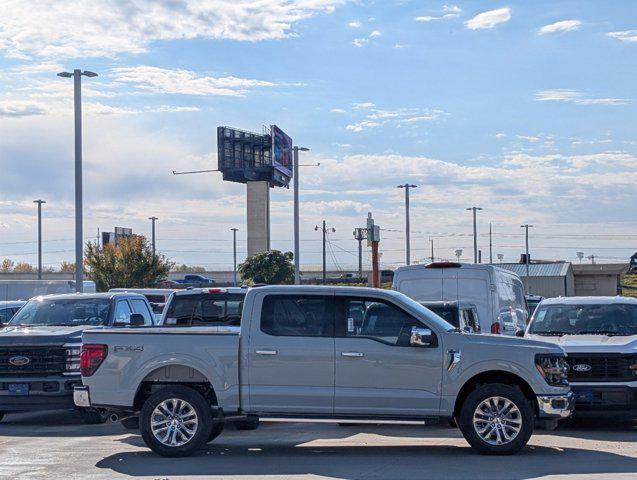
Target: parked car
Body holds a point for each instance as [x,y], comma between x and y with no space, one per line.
[461,315]
[300,355]
[157,297]
[196,280]
[9,309]
[599,334]
[497,293]
[40,347]
[532,301]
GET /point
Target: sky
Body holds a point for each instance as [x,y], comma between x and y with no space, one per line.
[525,109]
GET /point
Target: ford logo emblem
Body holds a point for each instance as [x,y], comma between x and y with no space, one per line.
[582,367]
[19,361]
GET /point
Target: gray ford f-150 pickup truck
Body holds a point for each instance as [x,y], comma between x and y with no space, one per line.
[338,353]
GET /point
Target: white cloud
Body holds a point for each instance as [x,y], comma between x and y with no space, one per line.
[73,29]
[337,110]
[489,19]
[360,42]
[363,125]
[500,135]
[399,45]
[185,82]
[561,26]
[363,105]
[355,24]
[426,18]
[629,36]
[577,96]
[375,33]
[448,12]
[373,117]
[451,9]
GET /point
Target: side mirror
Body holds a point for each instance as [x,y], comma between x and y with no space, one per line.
[137,320]
[519,333]
[422,337]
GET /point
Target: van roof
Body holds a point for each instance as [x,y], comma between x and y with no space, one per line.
[589,301]
[452,265]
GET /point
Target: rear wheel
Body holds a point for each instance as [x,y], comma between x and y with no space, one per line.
[496,419]
[93,417]
[249,423]
[176,421]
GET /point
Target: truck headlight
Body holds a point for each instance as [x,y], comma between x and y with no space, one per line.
[553,368]
[73,351]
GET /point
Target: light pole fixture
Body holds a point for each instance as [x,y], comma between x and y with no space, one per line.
[297,260]
[39,202]
[475,233]
[407,187]
[77,103]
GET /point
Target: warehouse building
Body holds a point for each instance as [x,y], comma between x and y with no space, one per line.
[554,279]
[599,278]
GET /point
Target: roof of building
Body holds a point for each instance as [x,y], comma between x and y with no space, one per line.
[553,269]
[600,268]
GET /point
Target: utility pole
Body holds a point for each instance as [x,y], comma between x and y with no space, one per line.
[527,259]
[360,235]
[295,173]
[324,230]
[431,240]
[234,256]
[153,220]
[407,186]
[475,233]
[39,202]
[77,102]
[490,245]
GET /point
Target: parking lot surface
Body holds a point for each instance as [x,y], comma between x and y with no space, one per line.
[36,446]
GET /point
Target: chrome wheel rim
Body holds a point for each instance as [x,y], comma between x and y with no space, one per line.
[497,420]
[174,422]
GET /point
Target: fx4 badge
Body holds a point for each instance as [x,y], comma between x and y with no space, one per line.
[128,348]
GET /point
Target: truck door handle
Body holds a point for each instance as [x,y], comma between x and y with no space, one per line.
[266,352]
[352,354]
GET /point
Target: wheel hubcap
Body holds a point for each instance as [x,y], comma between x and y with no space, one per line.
[174,422]
[497,420]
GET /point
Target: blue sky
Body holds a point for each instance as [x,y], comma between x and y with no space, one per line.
[524,108]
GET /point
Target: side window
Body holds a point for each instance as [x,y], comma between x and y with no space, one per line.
[139,306]
[381,321]
[297,316]
[5,315]
[122,312]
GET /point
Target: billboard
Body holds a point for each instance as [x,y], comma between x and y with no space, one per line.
[282,151]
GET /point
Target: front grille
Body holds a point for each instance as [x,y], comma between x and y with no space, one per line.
[604,367]
[45,360]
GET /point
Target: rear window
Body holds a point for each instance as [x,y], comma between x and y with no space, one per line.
[205,309]
[450,314]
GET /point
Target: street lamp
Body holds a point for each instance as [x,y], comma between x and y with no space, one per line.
[77,103]
[475,234]
[324,229]
[458,254]
[39,202]
[407,186]
[297,260]
[500,257]
[526,227]
[580,256]
[153,220]
[234,256]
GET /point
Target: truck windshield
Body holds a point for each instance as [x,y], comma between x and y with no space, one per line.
[609,319]
[66,312]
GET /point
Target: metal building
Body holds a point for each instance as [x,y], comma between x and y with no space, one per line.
[599,278]
[554,279]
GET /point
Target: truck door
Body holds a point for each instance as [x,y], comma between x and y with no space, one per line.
[377,371]
[291,355]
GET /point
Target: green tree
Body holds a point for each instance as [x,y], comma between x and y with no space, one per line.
[23,267]
[129,264]
[6,265]
[183,268]
[273,267]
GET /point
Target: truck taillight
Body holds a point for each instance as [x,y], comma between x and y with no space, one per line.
[91,358]
[495,328]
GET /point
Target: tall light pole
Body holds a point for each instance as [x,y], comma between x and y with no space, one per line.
[526,227]
[39,202]
[431,240]
[234,256]
[580,255]
[360,234]
[475,233]
[490,245]
[297,260]
[407,186]
[77,102]
[152,234]
[324,229]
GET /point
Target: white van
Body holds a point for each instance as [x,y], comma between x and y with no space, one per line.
[497,293]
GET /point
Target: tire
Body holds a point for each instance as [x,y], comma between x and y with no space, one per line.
[486,428]
[93,417]
[250,423]
[130,423]
[180,404]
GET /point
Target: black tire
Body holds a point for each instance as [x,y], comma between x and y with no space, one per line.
[249,423]
[215,431]
[202,430]
[93,417]
[512,394]
[130,423]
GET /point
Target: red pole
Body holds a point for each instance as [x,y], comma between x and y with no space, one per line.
[375,270]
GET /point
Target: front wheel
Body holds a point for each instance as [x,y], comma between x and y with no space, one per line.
[496,419]
[176,421]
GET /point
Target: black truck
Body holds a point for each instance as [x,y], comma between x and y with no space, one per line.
[40,347]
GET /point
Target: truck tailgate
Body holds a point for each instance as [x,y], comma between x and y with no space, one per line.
[135,353]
